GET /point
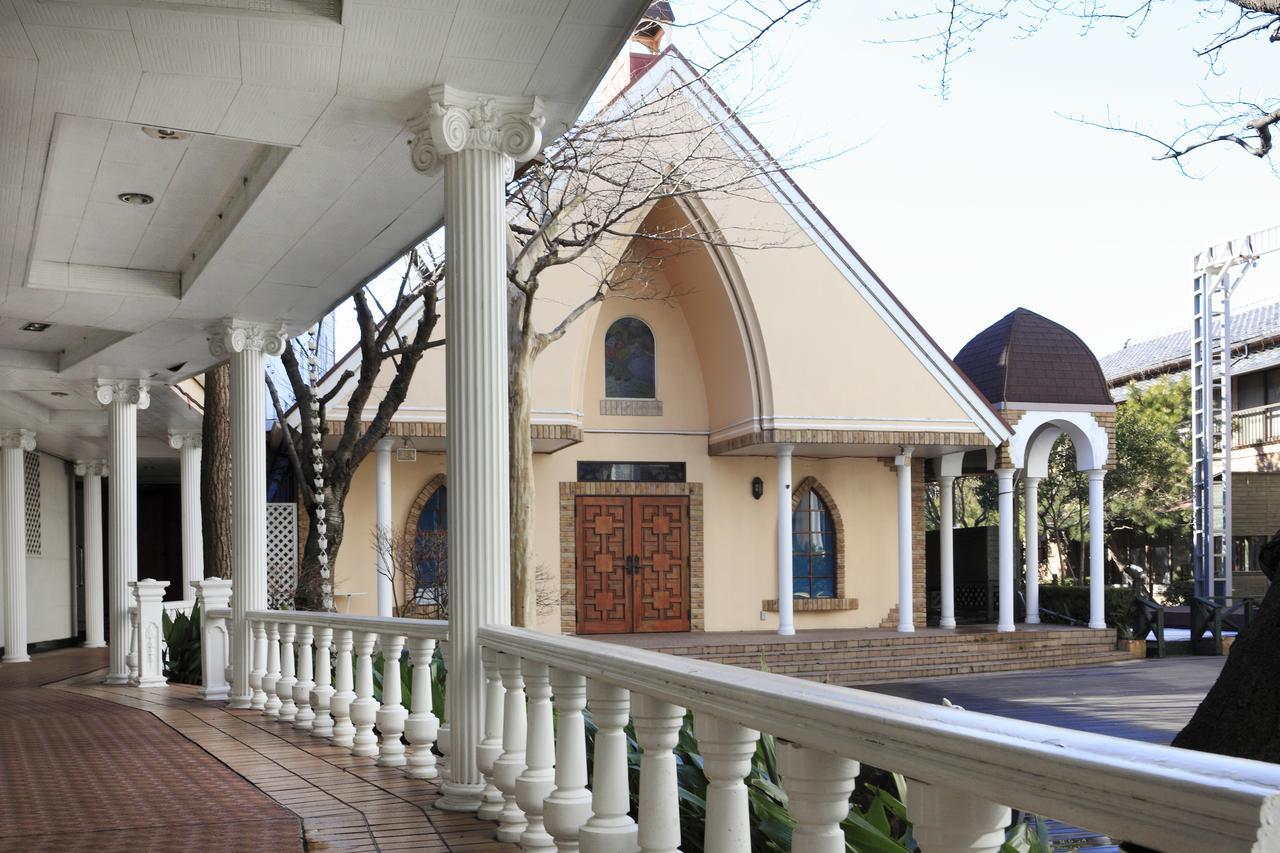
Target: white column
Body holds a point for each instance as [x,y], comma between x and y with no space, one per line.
[476,140]
[247,345]
[13,536]
[1097,552]
[148,598]
[1030,502]
[786,589]
[906,580]
[945,820]
[188,446]
[123,400]
[386,595]
[93,471]
[1004,478]
[946,549]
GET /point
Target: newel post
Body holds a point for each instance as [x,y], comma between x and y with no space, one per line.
[214,597]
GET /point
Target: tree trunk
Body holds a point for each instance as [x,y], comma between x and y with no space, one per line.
[310,592]
[215,471]
[524,581]
[1241,714]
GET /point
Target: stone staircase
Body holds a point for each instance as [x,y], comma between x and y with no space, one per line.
[872,659]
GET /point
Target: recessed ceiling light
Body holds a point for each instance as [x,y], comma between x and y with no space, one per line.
[139,199]
[36,327]
[59,394]
[164,134]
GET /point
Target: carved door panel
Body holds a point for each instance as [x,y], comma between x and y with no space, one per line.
[604,549]
[660,580]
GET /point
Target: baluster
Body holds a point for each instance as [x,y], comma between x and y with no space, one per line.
[364,709]
[288,674]
[421,726]
[306,716]
[657,731]
[818,786]
[344,695]
[944,820]
[258,699]
[509,766]
[569,806]
[489,749]
[322,726]
[391,716]
[727,749]
[271,678]
[610,828]
[539,777]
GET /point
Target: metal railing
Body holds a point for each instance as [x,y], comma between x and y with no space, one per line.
[1259,425]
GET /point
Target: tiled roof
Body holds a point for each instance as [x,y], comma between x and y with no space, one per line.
[1172,351]
[1026,358]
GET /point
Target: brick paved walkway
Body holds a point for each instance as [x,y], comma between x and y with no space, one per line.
[332,800]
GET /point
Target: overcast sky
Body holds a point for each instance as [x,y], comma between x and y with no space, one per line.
[991,200]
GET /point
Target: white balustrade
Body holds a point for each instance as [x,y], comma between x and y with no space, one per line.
[539,776]
[727,749]
[147,669]
[364,708]
[258,630]
[944,820]
[657,725]
[569,806]
[270,678]
[391,715]
[422,726]
[489,749]
[322,725]
[509,766]
[610,828]
[818,786]
[344,693]
[288,674]
[214,596]
[305,716]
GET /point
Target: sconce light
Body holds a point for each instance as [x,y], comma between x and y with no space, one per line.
[757,488]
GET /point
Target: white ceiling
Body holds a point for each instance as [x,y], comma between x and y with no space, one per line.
[292,188]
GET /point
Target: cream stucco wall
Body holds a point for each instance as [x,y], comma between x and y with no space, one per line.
[49,613]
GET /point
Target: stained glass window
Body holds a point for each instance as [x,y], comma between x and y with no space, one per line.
[432,547]
[813,549]
[628,360]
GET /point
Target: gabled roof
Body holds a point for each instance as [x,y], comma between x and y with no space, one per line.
[1026,358]
[1254,327]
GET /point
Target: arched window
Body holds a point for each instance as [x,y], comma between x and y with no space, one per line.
[431,549]
[813,552]
[629,370]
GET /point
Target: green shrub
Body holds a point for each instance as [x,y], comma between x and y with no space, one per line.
[182,662]
[1070,604]
[1179,592]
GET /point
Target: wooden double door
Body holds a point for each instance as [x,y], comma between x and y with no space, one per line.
[633,564]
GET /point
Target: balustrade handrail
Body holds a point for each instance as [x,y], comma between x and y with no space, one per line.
[436,629]
[1154,795]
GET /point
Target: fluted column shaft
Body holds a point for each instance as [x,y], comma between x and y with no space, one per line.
[13,541]
[188,445]
[247,345]
[93,472]
[476,139]
[122,399]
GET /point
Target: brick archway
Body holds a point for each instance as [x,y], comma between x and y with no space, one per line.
[411,527]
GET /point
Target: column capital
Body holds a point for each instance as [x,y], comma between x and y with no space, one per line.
[230,336]
[185,440]
[385,445]
[1030,481]
[92,468]
[19,439]
[904,457]
[130,391]
[456,120]
[1096,474]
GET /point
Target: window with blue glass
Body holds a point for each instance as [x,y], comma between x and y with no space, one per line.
[813,549]
[629,365]
[432,548]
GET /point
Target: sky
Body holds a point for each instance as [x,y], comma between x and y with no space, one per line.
[991,199]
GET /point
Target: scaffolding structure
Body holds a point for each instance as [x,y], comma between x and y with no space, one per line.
[1218,271]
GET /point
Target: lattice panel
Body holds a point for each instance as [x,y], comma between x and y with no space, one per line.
[282,555]
[31,472]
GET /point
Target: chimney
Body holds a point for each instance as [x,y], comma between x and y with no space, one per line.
[641,51]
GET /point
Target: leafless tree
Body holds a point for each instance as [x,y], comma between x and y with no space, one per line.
[391,336]
[408,551]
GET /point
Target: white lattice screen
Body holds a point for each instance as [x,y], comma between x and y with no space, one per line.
[282,555]
[31,473]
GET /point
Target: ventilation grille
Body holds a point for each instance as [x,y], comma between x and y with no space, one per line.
[31,471]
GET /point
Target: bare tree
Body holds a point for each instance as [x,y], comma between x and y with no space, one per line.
[418,563]
[949,30]
[383,344]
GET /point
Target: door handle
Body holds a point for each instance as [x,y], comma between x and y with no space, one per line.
[628,565]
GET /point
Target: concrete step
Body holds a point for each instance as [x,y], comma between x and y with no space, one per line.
[876,676]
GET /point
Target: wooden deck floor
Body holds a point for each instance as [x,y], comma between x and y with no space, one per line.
[330,799]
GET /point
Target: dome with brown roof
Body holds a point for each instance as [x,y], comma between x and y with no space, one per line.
[1026,358]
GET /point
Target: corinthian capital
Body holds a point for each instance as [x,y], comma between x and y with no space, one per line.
[456,120]
[185,440]
[232,336]
[128,391]
[20,439]
[92,468]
